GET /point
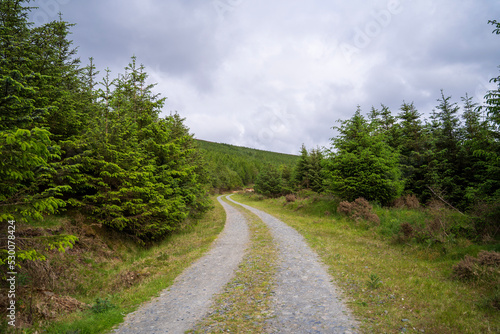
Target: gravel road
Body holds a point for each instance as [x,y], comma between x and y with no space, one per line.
[305,300]
[187,301]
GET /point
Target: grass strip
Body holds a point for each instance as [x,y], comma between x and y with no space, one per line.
[390,288]
[244,305]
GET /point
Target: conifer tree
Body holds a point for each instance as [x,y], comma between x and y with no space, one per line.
[301,174]
[269,182]
[414,147]
[362,164]
[25,147]
[447,165]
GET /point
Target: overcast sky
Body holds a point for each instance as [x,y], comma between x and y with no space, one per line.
[273,74]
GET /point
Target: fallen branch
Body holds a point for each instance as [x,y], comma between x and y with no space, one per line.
[442,200]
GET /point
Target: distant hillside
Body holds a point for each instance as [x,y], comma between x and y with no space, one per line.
[250,153]
[232,166]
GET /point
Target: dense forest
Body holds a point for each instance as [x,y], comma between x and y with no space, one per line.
[232,167]
[68,141]
[72,143]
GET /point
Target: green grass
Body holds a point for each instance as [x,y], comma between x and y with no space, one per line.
[390,287]
[127,276]
[244,305]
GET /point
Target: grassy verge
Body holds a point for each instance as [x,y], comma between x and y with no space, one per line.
[244,305]
[390,287]
[113,276]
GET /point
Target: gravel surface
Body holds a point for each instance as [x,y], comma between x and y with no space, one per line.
[187,301]
[305,300]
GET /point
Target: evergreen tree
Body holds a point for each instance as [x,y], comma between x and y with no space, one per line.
[308,171]
[414,148]
[25,146]
[383,122]
[301,173]
[489,152]
[448,164]
[269,182]
[362,164]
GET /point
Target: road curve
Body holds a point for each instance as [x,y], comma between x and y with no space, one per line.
[187,301]
[305,299]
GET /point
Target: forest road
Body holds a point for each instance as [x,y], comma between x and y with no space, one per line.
[187,301]
[304,300]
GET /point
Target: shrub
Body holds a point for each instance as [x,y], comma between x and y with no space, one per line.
[290,198]
[490,259]
[466,269]
[485,267]
[409,201]
[407,230]
[345,208]
[359,209]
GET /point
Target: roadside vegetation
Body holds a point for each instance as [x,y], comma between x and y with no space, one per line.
[406,212]
[86,157]
[90,287]
[396,283]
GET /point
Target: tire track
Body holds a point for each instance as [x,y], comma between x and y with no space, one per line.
[188,300]
[305,299]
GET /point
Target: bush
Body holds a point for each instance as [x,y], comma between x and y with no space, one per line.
[466,269]
[409,201]
[290,198]
[359,209]
[490,259]
[485,267]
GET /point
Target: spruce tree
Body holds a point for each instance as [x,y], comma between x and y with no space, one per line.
[25,146]
[269,182]
[361,164]
[447,161]
[413,147]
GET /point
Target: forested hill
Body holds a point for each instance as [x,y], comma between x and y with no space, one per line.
[232,166]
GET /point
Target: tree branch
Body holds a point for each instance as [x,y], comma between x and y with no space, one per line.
[442,200]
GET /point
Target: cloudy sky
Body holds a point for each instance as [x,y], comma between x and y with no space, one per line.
[273,74]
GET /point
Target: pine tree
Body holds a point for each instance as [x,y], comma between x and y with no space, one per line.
[414,147]
[269,182]
[448,164]
[301,172]
[25,147]
[362,164]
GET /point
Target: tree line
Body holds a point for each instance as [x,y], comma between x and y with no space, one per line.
[232,167]
[69,141]
[454,156]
